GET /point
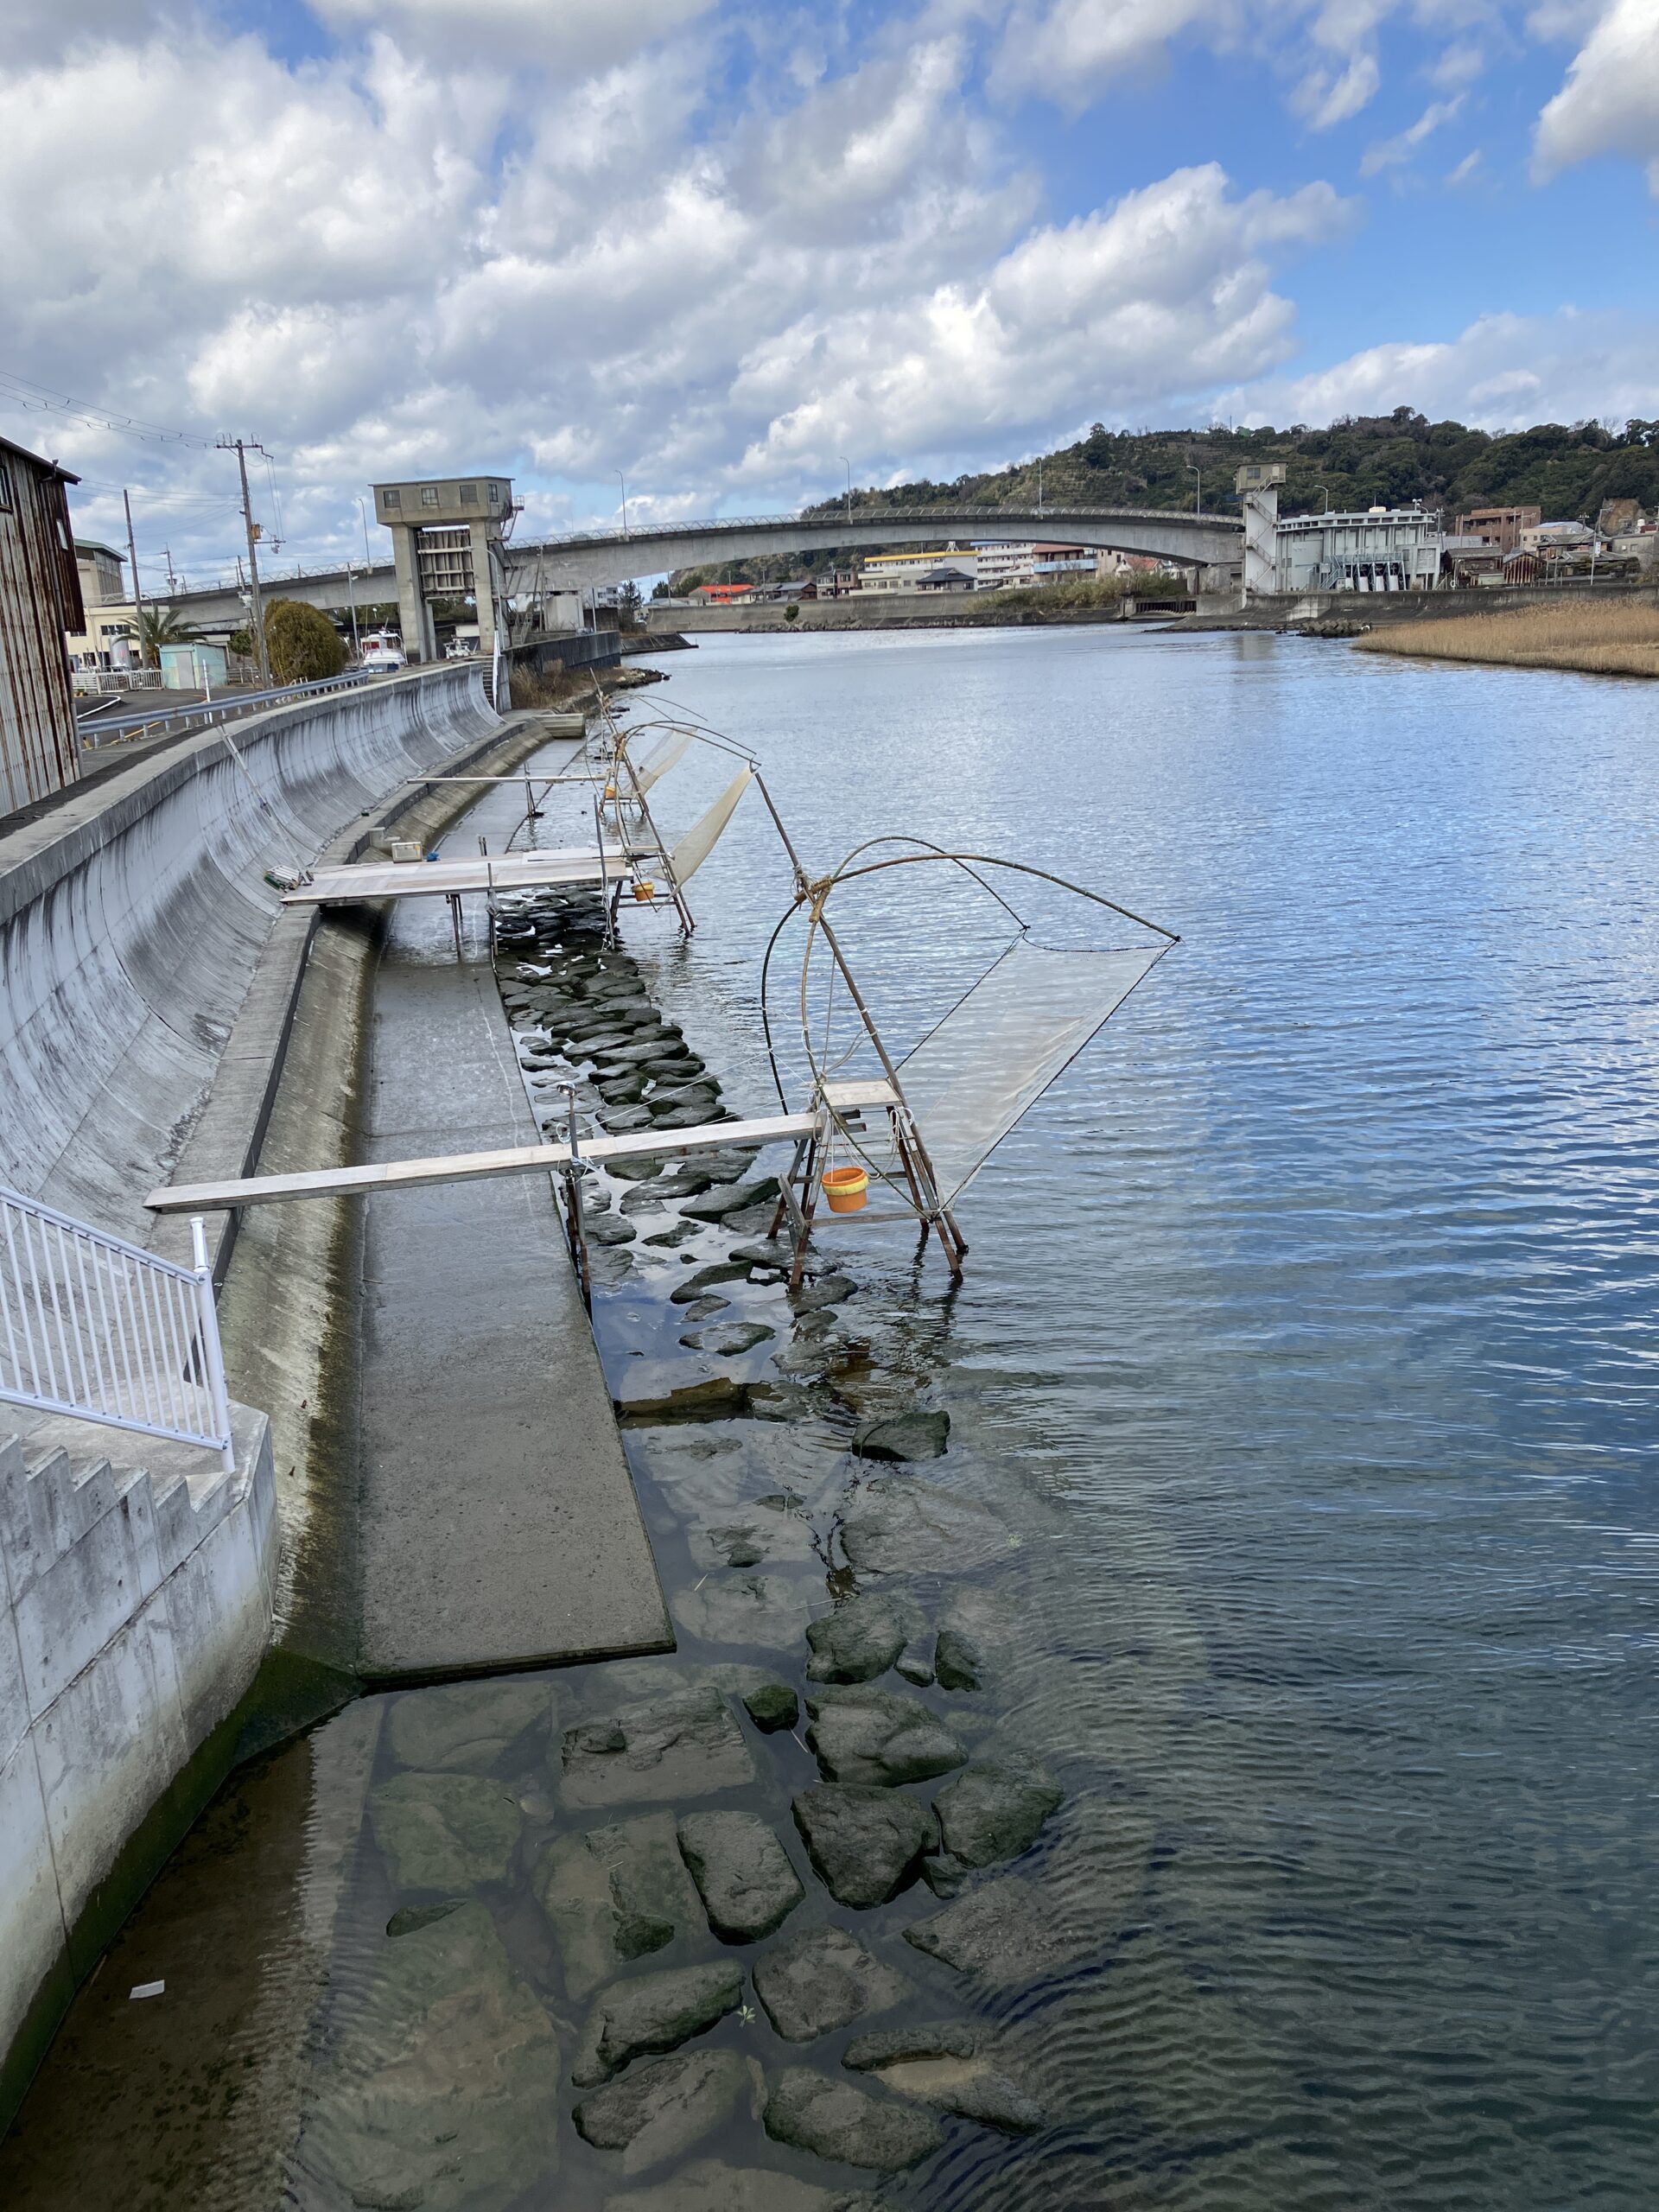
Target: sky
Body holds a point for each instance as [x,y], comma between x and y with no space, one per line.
[731,256]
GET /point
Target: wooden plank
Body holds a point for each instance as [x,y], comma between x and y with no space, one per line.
[471,1166]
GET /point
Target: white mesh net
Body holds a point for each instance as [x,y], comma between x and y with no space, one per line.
[999,1048]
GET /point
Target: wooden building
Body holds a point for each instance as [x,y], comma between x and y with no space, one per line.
[40,605]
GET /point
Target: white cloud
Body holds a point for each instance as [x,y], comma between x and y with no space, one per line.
[1069,49]
[1502,372]
[568,33]
[1126,309]
[1326,100]
[1395,153]
[1610,102]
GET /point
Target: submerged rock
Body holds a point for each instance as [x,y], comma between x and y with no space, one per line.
[464,1726]
[993,1810]
[608,1229]
[902,1525]
[1006,1932]
[914,1435]
[613,1894]
[657,2013]
[866,1735]
[912,1664]
[958,1661]
[717,1397]
[686,1745]
[767,1611]
[444,1830]
[410,1918]
[888,2046]
[820,1981]
[748,1885]
[865,1844]
[857,1642]
[728,1339]
[973,2088]
[707,1278]
[442,2090]
[773,1706]
[659,2109]
[836,2121]
[711,2185]
[828,1290]
[732,1200]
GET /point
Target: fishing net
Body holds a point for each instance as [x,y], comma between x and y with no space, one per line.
[992,1057]
[699,840]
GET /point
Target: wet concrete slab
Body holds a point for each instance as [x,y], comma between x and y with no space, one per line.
[499,1521]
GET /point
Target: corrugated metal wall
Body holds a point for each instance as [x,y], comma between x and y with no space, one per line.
[40,601]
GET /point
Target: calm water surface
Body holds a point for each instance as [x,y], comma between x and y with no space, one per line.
[1312,1315]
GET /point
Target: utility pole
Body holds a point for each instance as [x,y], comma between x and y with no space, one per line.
[1040,484]
[623,481]
[138,595]
[241,447]
[848,466]
[350,587]
[1198,502]
[172,580]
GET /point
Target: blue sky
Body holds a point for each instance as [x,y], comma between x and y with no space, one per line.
[718,247]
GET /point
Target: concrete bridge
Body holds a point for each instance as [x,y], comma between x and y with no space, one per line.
[613,556]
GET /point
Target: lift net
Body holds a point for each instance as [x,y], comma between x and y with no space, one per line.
[999,1048]
[660,758]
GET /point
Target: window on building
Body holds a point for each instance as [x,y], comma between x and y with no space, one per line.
[392,498]
[495,495]
[5,487]
[469,495]
[428,495]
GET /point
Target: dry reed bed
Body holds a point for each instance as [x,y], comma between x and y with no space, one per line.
[1621,640]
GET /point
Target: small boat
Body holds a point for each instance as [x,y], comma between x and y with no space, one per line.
[383,651]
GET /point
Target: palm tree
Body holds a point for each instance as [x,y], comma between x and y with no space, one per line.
[159,627]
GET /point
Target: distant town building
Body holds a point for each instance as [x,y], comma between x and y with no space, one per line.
[1557,537]
[899,571]
[40,606]
[1639,544]
[1035,561]
[723,594]
[109,636]
[1383,548]
[1499,527]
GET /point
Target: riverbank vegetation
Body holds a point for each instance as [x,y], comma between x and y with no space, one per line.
[1600,640]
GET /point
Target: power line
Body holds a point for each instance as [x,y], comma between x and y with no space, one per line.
[39,399]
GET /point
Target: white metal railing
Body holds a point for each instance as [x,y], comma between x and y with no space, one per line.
[101,1329]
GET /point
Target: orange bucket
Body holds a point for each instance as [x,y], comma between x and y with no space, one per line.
[846,1188]
[644,890]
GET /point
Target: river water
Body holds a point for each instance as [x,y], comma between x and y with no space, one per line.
[1297,1374]
[1312,1313]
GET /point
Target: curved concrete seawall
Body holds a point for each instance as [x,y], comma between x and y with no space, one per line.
[137,1581]
[133,915]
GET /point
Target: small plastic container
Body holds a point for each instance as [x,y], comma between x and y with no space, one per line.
[644,890]
[846,1190]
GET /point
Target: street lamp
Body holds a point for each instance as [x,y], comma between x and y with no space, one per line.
[368,558]
[1040,484]
[350,589]
[1193,469]
[623,481]
[848,466]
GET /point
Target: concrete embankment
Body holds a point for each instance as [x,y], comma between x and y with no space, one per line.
[156,996]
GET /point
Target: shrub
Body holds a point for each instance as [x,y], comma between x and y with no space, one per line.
[303,644]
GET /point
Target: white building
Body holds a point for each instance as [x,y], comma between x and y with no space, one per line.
[1384,549]
[906,571]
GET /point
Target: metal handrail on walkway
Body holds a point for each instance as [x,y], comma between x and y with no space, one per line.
[92,1326]
[143,721]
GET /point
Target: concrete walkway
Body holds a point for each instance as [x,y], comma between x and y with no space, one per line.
[500,1527]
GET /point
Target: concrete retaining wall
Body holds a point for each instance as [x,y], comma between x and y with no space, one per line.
[135,1609]
[131,918]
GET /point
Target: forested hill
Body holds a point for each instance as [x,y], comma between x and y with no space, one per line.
[1363,461]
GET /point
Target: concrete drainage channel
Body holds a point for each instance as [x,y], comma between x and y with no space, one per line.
[720,1926]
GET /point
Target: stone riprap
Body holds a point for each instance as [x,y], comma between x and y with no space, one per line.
[664,2106]
[465,1726]
[444,1830]
[615,1894]
[861,1734]
[866,1844]
[653,2012]
[820,1981]
[839,2121]
[748,1886]
[685,1745]
[857,1642]
[993,1810]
